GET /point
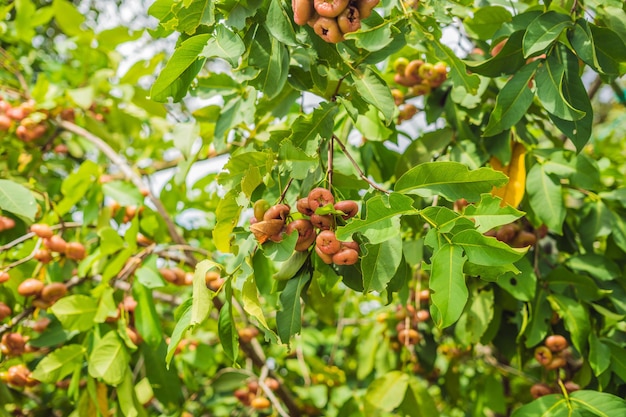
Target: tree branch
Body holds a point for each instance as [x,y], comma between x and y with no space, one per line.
[358,168]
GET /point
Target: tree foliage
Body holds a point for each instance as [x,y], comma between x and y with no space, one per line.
[279,219]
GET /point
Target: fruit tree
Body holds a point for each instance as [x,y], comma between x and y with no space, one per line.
[336,208]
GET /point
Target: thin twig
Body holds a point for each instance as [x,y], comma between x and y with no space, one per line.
[358,168]
[24,259]
[284,193]
[329,170]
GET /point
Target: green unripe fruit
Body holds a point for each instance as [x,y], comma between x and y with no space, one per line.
[260,207]
[400,64]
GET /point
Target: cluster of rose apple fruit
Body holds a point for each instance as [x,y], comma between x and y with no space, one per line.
[330,250]
[331,19]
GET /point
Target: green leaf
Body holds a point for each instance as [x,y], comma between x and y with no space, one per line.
[252,304]
[600,404]
[227,331]
[579,131]
[17,199]
[279,24]
[387,392]
[521,284]
[508,61]
[68,18]
[447,283]
[224,44]
[586,288]
[109,359]
[199,12]
[201,305]
[289,317]
[552,405]
[110,241]
[271,58]
[182,60]
[375,91]
[127,398]
[383,218]
[451,180]
[458,72]
[513,101]
[308,128]
[597,266]
[227,214]
[76,312]
[576,319]
[545,30]
[147,320]
[182,324]
[123,192]
[618,362]
[418,401]
[59,363]
[487,20]
[488,251]
[488,213]
[546,200]
[599,354]
[476,318]
[540,315]
[296,160]
[550,89]
[610,50]
[380,263]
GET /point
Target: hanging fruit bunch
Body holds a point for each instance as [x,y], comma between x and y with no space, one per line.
[318,228]
[419,78]
[331,19]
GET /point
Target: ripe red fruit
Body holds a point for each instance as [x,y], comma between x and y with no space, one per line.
[327,242]
[306,234]
[346,256]
[56,244]
[13,344]
[350,207]
[303,11]
[543,355]
[319,197]
[408,337]
[330,8]
[327,259]
[5,311]
[322,222]
[349,20]
[43,255]
[277,212]
[5,122]
[75,251]
[29,287]
[4,277]
[53,291]
[556,343]
[302,205]
[539,390]
[42,230]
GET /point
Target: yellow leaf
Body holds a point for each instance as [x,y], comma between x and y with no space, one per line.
[513,192]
